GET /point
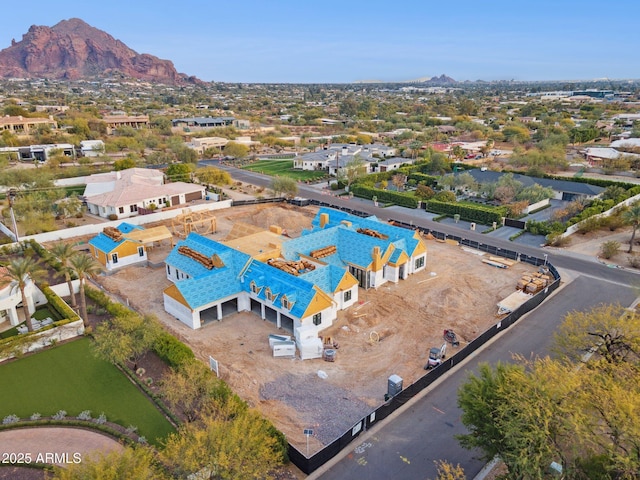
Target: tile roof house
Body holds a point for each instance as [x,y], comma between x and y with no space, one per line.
[124,192]
[305,283]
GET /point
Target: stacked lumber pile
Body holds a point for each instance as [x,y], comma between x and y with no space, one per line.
[371,233]
[324,252]
[506,262]
[290,266]
[533,283]
[207,262]
[113,233]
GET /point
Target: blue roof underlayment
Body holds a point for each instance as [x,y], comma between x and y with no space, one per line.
[105,244]
[208,286]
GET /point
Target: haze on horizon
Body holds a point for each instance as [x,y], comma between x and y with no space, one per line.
[285,41]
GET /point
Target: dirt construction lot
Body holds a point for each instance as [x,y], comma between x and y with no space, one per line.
[456,291]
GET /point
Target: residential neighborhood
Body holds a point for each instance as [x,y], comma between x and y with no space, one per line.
[282,279]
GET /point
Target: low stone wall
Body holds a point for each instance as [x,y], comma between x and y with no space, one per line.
[575,227]
[138,220]
[40,340]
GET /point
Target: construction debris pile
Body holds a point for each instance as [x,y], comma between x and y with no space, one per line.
[208,262]
[535,282]
[324,251]
[291,266]
[113,233]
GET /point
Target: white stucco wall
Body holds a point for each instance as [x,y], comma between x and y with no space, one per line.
[182,313]
[94,229]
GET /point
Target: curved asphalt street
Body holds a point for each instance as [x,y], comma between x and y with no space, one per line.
[407,443]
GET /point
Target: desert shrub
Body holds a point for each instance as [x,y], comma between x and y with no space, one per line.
[634,261]
[591,224]
[609,249]
[556,239]
[613,222]
[172,351]
[112,216]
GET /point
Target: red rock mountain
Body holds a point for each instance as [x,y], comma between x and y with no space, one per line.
[73,50]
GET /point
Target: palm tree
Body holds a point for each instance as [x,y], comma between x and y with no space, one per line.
[22,270]
[85,267]
[63,252]
[632,217]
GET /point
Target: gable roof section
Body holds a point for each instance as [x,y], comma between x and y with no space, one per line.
[297,289]
[352,248]
[218,284]
[401,238]
[230,257]
[330,278]
[106,244]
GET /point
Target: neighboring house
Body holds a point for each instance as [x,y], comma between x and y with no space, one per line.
[92,148]
[204,143]
[125,245]
[603,156]
[564,189]
[42,153]
[124,193]
[11,298]
[392,163]
[19,124]
[334,157]
[118,121]
[297,283]
[202,123]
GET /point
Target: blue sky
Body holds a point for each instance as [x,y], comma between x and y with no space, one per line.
[307,41]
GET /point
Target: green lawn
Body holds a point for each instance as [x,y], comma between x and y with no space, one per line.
[283,168]
[69,377]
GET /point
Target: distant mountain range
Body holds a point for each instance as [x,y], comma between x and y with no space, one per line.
[429,81]
[73,50]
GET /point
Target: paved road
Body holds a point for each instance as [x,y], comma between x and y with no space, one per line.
[407,443]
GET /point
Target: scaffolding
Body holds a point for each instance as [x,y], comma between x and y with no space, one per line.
[203,223]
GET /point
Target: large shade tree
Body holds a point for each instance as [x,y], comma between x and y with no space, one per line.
[577,410]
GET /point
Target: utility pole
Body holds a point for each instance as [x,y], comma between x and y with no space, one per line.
[12,196]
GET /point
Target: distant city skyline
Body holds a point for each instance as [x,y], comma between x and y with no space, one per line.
[285,41]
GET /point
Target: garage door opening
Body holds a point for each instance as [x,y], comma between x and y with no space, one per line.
[229,307]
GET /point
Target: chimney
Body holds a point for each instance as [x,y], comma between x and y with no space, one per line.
[324,219]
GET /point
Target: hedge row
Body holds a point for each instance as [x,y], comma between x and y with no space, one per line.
[385,196]
[423,178]
[59,305]
[470,213]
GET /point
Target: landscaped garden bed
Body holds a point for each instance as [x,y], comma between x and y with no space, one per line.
[71,378]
